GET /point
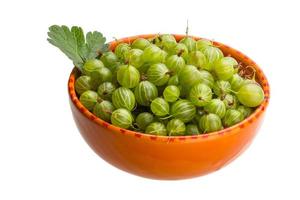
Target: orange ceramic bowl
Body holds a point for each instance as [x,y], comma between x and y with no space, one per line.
[162,157]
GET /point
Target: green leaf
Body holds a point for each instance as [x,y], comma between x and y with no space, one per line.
[80,39]
[65,40]
[95,44]
[75,45]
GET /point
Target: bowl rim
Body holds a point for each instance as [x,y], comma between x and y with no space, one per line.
[230,130]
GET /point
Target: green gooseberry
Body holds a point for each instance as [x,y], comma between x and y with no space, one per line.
[105,90]
[128,76]
[221,88]
[135,58]
[100,76]
[122,118]
[224,68]
[173,80]
[144,68]
[200,94]
[202,44]
[156,40]
[189,76]
[110,60]
[210,123]
[89,99]
[82,84]
[171,93]
[206,77]
[103,110]
[217,107]
[232,117]
[230,60]
[213,54]
[189,42]
[144,119]
[156,128]
[246,111]
[123,98]
[122,50]
[251,95]
[91,65]
[180,50]
[231,101]
[192,129]
[176,127]
[153,54]
[184,110]
[140,43]
[175,63]
[160,107]
[158,74]
[197,58]
[168,42]
[236,82]
[145,92]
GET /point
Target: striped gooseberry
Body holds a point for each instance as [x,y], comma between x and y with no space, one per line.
[82,84]
[158,74]
[89,99]
[192,129]
[251,95]
[145,92]
[213,54]
[176,127]
[160,107]
[171,93]
[128,76]
[184,110]
[200,94]
[221,88]
[210,123]
[123,98]
[232,117]
[105,90]
[140,43]
[91,65]
[156,128]
[175,63]
[196,58]
[135,58]
[122,118]
[224,68]
[103,110]
[143,120]
[122,50]
[217,107]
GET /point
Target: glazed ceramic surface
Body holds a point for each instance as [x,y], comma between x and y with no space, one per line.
[161,157]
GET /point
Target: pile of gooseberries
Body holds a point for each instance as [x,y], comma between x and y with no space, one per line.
[165,87]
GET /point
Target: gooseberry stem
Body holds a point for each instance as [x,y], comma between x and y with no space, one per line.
[234,92]
[107,111]
[187,28]
[99,99]
[135,106]
[163,118]
[169,73]
[116,40]
[134,128]
[180,52]
[143,77]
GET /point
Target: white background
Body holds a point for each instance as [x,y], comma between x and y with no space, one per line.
[42,155]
